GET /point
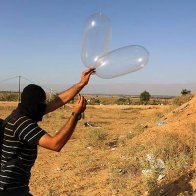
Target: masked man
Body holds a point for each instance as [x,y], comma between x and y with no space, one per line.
[22,134]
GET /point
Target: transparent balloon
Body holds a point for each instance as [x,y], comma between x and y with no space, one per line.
[96,39]
[122,61]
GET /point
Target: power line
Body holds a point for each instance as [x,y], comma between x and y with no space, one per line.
[50,90]
[8,79]
[28,80]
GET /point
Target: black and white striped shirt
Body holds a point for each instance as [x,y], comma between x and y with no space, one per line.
[19,152]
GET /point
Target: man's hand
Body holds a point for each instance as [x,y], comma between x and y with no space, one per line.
[80,105]
[57,142]
[86,76]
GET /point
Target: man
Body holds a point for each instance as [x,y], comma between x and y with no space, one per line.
[22,134]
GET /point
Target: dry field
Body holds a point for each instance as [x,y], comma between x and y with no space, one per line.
[123,150]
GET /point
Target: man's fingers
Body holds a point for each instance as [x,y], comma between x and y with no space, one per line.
[81,100]
[89,71]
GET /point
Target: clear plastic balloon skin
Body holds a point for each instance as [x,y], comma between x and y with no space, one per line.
[96,39]
[122,61]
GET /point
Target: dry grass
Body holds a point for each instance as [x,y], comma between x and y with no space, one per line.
[108,157]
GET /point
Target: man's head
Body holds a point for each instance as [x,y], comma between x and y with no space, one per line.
[33,102]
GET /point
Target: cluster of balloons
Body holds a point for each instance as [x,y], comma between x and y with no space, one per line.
[95,50]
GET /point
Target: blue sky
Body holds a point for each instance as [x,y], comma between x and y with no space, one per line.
[41,39]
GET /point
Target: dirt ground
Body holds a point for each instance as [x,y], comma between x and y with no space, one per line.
[103,156]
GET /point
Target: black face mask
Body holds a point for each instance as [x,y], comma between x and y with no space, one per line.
[33,102]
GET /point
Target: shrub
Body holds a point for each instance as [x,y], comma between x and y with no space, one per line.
[122,101]
[96,138]
[9,97]
[182,99]
[94,101]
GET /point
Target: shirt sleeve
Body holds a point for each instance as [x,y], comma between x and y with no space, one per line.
[29,131]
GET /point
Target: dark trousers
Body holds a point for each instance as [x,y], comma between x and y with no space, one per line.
[15,193]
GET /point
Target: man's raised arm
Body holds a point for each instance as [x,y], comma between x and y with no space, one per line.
[67,95]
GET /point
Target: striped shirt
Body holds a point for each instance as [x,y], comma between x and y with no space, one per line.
[19,152]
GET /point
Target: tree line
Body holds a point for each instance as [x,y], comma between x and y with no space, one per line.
[144,98]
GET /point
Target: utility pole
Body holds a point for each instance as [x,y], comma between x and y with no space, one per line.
[50,95]
[19,78]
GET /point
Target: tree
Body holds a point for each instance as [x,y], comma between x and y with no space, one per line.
[185,92]
[145,97]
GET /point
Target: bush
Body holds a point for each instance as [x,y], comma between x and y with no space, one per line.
[96,138]
[182,99]
[9,97]
[94,101]
[123,101]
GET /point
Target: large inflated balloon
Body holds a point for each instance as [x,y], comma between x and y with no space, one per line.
[122,61]
[96,39]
